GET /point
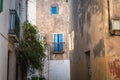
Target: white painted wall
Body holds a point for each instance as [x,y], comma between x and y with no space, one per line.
[12,4]
[59,70]
[4,23]
[32,11]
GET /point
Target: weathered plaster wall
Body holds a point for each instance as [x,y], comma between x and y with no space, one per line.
[87,23]
[50,24]
[112,47]
[4,22]
[90,22]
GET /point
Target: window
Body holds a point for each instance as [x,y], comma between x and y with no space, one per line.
[58,42]
[54,9]
[88,65]
[1,6]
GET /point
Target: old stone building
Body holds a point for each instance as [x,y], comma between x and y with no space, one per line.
[94,39]
[52,19]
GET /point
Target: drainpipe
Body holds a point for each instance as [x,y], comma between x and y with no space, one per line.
[109,15]
[49,50]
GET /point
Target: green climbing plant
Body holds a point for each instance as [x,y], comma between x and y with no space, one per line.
[30,50]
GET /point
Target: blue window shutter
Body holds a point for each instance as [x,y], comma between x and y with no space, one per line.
[60,42]
[1,5]
[54,10]
[56,42]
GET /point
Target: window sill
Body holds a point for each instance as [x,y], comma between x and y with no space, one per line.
[58,52]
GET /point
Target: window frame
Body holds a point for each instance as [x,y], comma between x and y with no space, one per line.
[58,42]
[57,9]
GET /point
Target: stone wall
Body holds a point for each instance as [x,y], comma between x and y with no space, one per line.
[50,24]
[91,22]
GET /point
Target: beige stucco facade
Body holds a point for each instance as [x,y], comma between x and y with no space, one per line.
[91,22]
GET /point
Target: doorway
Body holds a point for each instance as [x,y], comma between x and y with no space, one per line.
[88,65]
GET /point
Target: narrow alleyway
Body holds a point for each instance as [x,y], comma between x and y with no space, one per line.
[59,39]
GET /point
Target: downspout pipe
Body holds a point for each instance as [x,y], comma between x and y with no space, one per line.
[108,2]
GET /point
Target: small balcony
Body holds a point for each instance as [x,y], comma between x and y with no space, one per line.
[14,27]
[58,47]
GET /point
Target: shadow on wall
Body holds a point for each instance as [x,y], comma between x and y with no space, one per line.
[81,14]
[99,49]
[82,11]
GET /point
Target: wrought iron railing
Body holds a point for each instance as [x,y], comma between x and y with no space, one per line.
[14,27]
